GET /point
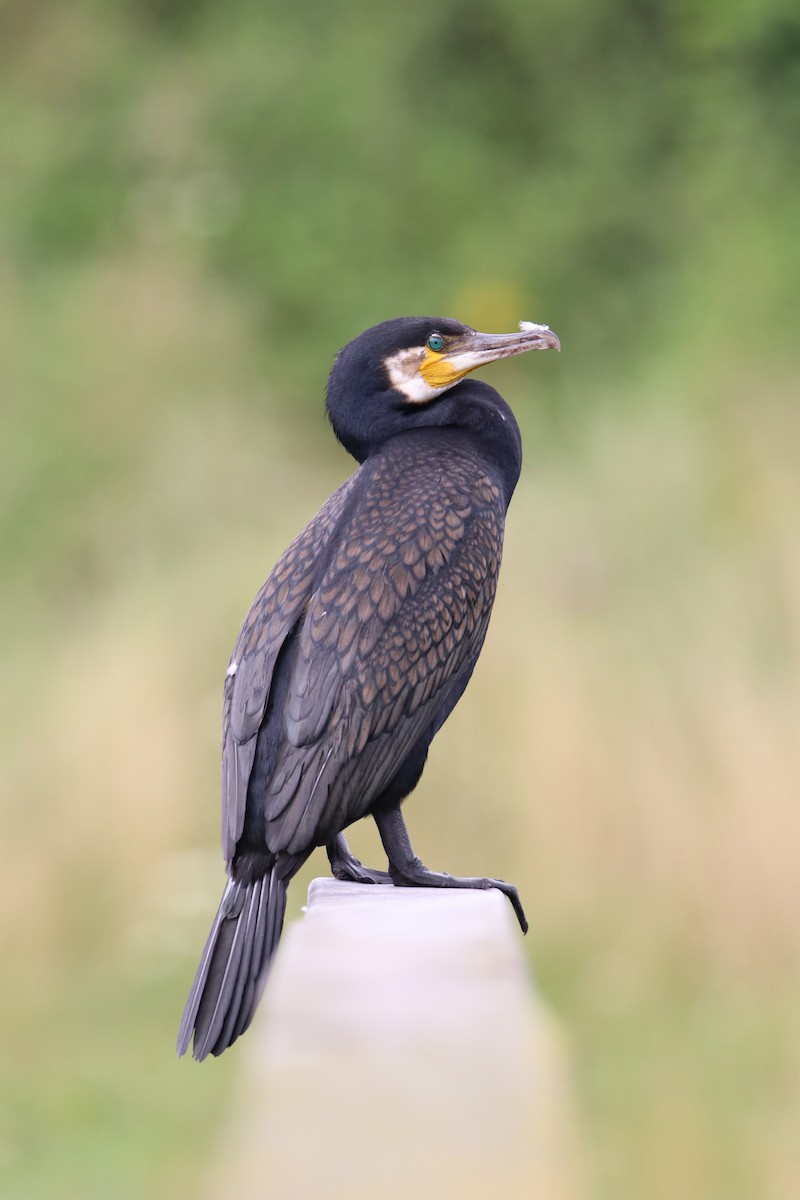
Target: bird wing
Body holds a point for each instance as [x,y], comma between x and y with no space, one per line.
[394,627]
[274,613]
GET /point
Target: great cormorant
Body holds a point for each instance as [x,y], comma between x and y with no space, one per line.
[361,641]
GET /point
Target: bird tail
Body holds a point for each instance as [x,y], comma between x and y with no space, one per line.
[233,969]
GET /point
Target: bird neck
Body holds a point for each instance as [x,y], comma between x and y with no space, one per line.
[471,414]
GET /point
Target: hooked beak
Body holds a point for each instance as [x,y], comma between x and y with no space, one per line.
[439,370]
[475,349]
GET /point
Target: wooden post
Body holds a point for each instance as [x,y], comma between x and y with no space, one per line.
[400,1052]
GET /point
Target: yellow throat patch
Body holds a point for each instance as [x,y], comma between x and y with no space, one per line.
[437,372]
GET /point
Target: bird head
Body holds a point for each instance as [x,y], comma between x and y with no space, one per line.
[392,376]
[448,351]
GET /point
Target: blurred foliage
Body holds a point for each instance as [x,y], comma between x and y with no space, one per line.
[200,204]
[344,165]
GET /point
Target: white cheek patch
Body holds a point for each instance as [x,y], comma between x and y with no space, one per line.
[403,369]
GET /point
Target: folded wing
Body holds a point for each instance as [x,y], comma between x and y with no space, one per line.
[391,632]
[273,616]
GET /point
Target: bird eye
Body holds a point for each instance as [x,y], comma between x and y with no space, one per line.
[435,342]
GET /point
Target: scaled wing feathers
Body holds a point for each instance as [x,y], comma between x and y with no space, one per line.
[274,614]
[397,618]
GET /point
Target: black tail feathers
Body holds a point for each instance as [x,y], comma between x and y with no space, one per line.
[233,969]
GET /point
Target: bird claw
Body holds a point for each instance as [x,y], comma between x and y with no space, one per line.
[509,890]
[346,867]
[356,872]
[415,874]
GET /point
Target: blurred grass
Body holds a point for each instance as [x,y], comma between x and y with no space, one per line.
[200,206]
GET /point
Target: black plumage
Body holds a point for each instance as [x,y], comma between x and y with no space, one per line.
[360,642]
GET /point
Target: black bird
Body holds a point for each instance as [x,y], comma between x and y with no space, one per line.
[361,642]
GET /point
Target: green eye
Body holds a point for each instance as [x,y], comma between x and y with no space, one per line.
[435,342]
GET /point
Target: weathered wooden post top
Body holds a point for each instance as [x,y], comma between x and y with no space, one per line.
[401,1051]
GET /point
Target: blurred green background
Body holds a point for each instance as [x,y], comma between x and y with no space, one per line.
[200,203]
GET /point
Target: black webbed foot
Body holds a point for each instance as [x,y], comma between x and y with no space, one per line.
[347,867]
[416,874]
[407,870]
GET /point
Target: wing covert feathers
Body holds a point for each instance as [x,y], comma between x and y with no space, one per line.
[399,613]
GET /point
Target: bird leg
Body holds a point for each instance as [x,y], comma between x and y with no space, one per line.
[406,870]
[346,866]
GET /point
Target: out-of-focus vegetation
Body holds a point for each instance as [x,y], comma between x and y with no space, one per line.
[200,203]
